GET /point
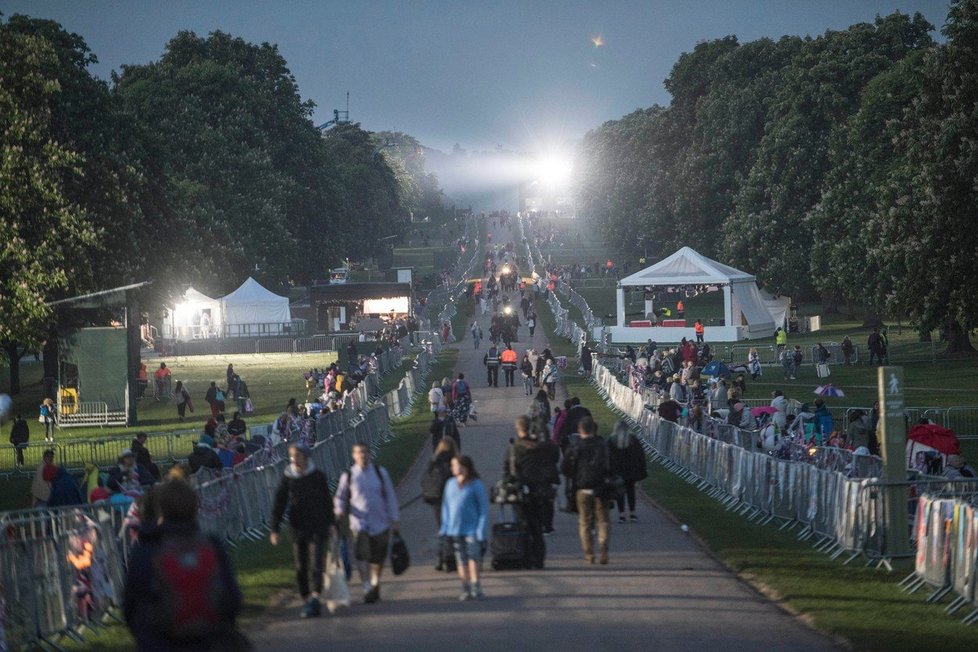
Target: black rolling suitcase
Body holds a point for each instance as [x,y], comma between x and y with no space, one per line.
[509,542]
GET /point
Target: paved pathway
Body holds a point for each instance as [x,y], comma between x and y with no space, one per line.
[660,591]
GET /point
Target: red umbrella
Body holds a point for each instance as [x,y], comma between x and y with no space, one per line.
[937,437]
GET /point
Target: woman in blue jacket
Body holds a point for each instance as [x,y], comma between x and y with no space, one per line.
[464,519]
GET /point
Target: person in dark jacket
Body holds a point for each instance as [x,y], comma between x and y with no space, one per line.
[575,413]
[535,458]
[304,491]
[204,456]
[143,602]
[237,426]
[64,488]
[587,469]
[144,460]
[443,425]
[20,434]
[586,361]
[433,489]
[627,459]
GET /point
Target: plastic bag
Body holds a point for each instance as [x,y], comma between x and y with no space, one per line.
[335,589]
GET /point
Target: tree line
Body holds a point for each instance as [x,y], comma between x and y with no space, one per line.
[842,167]
[202,167]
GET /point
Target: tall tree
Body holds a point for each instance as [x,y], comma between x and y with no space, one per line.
[43,233]
[925,228]
[769,233]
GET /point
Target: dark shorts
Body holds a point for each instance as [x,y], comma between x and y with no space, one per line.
[372,549]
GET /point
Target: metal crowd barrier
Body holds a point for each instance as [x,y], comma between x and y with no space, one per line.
[73,454]
[946,530]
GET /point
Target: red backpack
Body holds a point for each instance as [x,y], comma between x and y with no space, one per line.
[194,597]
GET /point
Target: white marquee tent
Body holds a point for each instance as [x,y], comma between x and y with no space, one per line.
[745,314]
[194,316]
[252,310]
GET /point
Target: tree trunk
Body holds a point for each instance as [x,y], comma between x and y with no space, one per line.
[958,340]
[850,309]
[872,320]
[51,366]
[13,353]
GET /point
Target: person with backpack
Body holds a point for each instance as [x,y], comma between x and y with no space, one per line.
[367,498]
[535,460]
[627,458]
[180,591]
[303,492]
[433,489]
[465,522]
[587,468]
[461,399]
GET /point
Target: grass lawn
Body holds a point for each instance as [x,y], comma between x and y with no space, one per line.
[862,605]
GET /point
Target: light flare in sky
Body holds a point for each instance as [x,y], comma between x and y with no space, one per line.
[597,40]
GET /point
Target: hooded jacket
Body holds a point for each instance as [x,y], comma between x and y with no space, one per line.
[308,500]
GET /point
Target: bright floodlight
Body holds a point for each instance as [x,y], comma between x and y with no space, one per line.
[505,269]
[508,310]
[553,171]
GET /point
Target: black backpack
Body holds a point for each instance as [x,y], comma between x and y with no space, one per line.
[433,482]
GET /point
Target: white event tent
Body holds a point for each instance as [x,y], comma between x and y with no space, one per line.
[253,310]
[745,314]
[195,316]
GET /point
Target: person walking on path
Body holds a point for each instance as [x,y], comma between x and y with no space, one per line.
[436,398]
[508,359]
[549,378]
[433,490]
[535,458]
[465,520]
[461,399]
[587,469]
[526,371]
[847,350]
[627,458]
[367,496]
[442,427]
[476,334]
[491,362]
[20,434]
[304,492]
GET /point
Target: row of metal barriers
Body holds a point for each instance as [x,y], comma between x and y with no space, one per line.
[947,553]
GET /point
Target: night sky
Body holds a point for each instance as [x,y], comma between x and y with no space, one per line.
[523,75]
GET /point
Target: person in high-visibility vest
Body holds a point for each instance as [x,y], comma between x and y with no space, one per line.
[781,338]
[508,358]
[698,327]
[680,309]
